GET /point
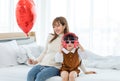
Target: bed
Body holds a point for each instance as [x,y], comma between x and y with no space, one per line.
[14,66]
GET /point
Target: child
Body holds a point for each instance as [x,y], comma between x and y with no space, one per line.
[70,58]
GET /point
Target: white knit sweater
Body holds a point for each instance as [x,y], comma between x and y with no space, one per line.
[50,50]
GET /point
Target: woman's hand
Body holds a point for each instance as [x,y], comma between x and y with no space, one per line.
[32,61]
[90,72]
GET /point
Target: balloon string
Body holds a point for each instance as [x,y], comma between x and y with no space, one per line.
[27,34]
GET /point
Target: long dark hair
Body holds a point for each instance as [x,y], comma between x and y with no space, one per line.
[63,22]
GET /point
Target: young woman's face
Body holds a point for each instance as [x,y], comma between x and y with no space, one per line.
[58,28]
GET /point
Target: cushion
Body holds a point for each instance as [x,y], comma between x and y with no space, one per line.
[8,53]
[96,61]
[34,48]
[31,50]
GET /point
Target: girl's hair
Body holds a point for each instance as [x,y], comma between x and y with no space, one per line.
[69,36]
[63,22]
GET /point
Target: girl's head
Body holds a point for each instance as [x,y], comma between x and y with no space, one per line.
[70,40]
[60,26]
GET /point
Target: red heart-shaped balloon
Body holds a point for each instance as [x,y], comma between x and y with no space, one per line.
[25,15]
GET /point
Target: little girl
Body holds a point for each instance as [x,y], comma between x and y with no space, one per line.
[70,58]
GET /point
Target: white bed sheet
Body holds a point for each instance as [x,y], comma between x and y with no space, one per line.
[14,73]
[101,75]
[19,73]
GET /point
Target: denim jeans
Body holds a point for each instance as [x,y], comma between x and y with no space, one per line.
[42,73]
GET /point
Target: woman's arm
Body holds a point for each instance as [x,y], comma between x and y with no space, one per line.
[85,71]
[45,49]
[82,65]
[39,59]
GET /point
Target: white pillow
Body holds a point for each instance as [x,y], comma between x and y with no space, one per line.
[31,50]
[34,48]
[8,53]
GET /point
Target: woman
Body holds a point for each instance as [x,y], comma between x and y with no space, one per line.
[47,67]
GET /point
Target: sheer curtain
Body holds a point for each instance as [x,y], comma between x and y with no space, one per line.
[4,16]
[96,22]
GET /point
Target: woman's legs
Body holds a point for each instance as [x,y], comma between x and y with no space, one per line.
[64,75]
[47,73]
[33,72]
[41,73]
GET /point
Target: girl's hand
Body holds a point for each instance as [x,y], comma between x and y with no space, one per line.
[90,72]
[81,48]
[32,61]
